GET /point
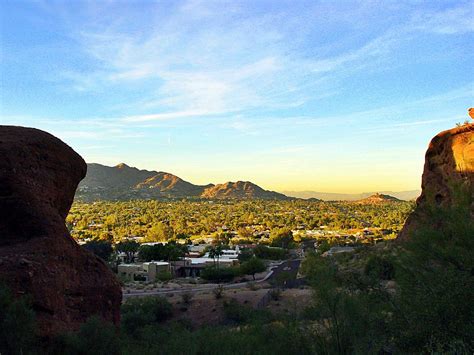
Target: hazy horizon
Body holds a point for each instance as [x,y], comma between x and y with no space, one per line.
[308,96]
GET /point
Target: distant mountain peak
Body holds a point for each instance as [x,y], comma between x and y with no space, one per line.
[123,182]
[240,190]
[379,198]
[122,166]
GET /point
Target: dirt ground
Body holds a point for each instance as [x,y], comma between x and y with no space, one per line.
[205,309]
[291,302]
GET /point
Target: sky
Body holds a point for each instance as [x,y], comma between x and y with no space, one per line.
[332,96]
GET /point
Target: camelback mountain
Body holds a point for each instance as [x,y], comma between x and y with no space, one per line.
[38,257]
[378,198]
[448,177]
[122,182]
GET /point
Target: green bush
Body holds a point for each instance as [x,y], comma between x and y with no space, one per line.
[94,337]
[164,276]
[275,294]
[271,253]
[187,298]
[236,312]
[17,324]
[218,292]
[435,277]
[213,273]
[380,268]
[139,312]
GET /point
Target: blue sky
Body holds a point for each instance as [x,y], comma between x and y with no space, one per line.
[335,96]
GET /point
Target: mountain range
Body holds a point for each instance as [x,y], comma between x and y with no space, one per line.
[122,182]
[329,196]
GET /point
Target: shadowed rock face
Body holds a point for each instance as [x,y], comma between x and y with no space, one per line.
[448,171]
[38,177]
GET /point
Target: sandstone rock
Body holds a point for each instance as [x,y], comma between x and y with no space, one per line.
[38,177]
[448,170]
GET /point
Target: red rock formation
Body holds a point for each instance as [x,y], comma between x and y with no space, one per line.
[38,177]
[449,169]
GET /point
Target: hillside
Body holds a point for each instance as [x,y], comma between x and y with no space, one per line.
[240,190]
[378,198]
[122,182]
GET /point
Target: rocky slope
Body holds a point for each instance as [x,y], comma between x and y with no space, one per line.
[240,190]
[122,182]
[38,177]
[448,176]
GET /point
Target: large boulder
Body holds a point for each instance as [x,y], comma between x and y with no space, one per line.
[448,176]
[38,257]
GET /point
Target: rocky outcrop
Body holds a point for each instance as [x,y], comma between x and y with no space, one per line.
[447,177]
[38,177]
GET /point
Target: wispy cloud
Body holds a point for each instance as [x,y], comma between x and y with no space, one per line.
[239,65]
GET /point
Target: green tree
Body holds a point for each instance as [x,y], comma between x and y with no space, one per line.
[160,232]
[129,247]
[282,238]
[253,266]
[435,277]
[102,249]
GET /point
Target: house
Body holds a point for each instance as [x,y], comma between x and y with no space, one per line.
[142,272]
[191,267]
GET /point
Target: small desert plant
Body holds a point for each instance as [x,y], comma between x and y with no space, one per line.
[187,298]
[252,286]
[275,294]
[218,292]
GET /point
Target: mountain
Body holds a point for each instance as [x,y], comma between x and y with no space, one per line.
[378,198]
[122,182]
[240,190]
[329,196]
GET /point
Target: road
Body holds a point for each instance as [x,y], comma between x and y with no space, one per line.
[289,266]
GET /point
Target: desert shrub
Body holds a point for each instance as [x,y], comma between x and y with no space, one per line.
[252,286]
[17,324]
[324,247]
[95,336]
[218,292]
[354,319]
[275,294]
[245,255]
[381,268]
[236,312]
[139,312]
[435,278]
[164,276]
[271,253]
[213,273]
[187,297]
